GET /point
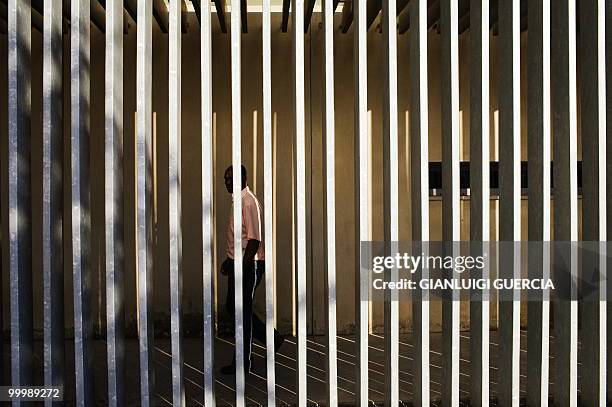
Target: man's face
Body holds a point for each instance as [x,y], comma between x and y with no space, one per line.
[229,185]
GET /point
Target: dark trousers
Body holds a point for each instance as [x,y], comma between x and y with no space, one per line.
[253,326]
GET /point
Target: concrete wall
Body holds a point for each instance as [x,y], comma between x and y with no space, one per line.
[252,150]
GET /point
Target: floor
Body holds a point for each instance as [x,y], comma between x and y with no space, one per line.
[285,371]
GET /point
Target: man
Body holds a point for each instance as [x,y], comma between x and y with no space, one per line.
[253,267]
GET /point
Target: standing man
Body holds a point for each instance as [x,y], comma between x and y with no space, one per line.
[253,267]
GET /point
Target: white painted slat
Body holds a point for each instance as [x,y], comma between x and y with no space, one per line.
[144,197]
[297,22]
[174,198]
[208,271]
[419,148]
[362,171]
[609,171]
[52,211]
[330,201]
[268,199]
[235,30]
[113,204]
[80,31]
[19,195]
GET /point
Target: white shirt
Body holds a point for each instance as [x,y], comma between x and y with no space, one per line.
[251,224]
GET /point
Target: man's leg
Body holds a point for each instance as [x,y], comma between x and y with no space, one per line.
[229,298]
[259,327]
[230,307]
[248,288]
[248,291]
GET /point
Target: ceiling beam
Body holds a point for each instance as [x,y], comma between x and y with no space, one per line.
[97,14]
[404,21]
[524,12]
[433,13]
[4,15]
[308,14]
[347,16]
[373,9]
[493,16]
[160,13]
[37,5]
[37,21]
[131,8]
[401,5]
[285,20]
[243,16]
[197,9]
[184,22]
[433,16]
[221,7]
[464,16]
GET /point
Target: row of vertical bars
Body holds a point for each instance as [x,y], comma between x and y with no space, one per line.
[553,105]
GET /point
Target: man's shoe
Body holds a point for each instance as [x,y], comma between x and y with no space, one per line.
[279,342]
[231,369]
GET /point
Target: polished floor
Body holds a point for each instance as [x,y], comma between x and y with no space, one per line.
[285,371]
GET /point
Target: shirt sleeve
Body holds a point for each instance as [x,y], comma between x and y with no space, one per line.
[252,221]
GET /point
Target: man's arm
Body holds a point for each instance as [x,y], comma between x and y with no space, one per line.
[250,251]
[247,259]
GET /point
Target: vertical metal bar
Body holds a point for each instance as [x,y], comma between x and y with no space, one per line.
[208,270]
[79,159]
[52,161]
[593,122]
[174,167]
[3,236]
[144,192]
[609,171]
[419,138]
[268,199]
[390,197]
[19,199]
[362,170]
[237,197]
[297,15]
[539,150]
[479,191]
[330,200]
[449,21]
[565,125]
[113,208]
[510,195]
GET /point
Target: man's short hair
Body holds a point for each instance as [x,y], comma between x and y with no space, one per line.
[243,171]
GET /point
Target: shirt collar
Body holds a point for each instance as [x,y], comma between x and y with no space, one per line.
[243,193]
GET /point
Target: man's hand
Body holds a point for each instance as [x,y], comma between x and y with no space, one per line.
[248,258]
[227,266]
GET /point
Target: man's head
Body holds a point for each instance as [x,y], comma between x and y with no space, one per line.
[228,177]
